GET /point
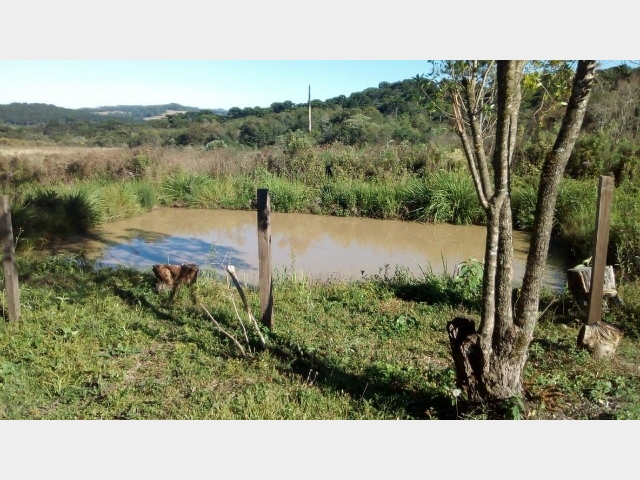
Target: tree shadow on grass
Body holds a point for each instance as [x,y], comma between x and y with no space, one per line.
[197,320]
[432,293]
[385,393]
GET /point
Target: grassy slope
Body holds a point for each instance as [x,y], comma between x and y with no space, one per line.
[102,344]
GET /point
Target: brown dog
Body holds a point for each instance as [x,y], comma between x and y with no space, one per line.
[173,276]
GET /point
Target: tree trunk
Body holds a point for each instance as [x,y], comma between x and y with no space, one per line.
[490,361]
[487,364]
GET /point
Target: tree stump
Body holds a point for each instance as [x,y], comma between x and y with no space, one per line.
[601,339]
[465,349]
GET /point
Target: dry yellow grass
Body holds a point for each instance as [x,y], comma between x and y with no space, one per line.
[52,163]
[43,151]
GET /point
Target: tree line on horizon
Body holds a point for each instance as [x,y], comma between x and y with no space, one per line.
[391,112]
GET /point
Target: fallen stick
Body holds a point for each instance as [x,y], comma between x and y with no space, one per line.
[231,270]
[231,337]
[244,330]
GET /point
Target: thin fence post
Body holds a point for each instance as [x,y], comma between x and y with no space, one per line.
[9,260]
[600,246]
[264,257]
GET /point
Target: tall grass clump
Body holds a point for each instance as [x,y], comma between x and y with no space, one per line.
[146,193]
[288,196]
[121,200]
[575,215]
[452,199]
[234,193]
[243,189]
[377,200]
[414,196]
[87,206]
[57,211]
[180,189]
[524,197]
[339,198]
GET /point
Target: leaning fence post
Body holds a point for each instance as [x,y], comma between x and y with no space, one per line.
[9,260]
[264,257]
[600,246]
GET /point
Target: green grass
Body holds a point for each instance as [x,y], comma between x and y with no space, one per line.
[101,344]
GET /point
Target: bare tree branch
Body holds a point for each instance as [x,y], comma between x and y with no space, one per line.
[468,151]
[469,86]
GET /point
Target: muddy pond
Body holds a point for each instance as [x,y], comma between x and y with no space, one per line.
[318,247]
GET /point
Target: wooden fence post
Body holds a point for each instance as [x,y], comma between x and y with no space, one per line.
[264,257]
[597,336]
[9,260]
[600,246]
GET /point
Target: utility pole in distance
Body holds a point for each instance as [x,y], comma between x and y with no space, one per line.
[309,103]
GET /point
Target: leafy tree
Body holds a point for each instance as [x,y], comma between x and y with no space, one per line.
[354,129]
[259,132]
[485,100]
[234,112]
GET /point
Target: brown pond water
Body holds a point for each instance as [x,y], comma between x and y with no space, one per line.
[319,247]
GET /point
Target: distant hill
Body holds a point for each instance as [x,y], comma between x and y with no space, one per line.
[392,99]
[35,113]
[140,112]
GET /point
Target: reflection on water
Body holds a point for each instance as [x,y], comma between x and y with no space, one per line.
[318,246]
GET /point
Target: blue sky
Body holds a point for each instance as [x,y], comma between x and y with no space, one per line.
[260,52]
[203,84]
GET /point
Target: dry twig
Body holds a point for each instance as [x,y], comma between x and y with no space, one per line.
[231,270]
[244,330]
[231,337]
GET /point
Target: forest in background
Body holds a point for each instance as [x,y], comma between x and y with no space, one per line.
[392,112]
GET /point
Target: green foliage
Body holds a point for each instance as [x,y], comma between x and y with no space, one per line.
[469,279]
[451,198]
[592,156]
[528,161]
[286,196]
[47,211]
[524,197]
[215,144]
[85,206]
[624,237]
[575,215]
[514,409]
[146,195]
[180,189]
[121,200]
[356,350]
